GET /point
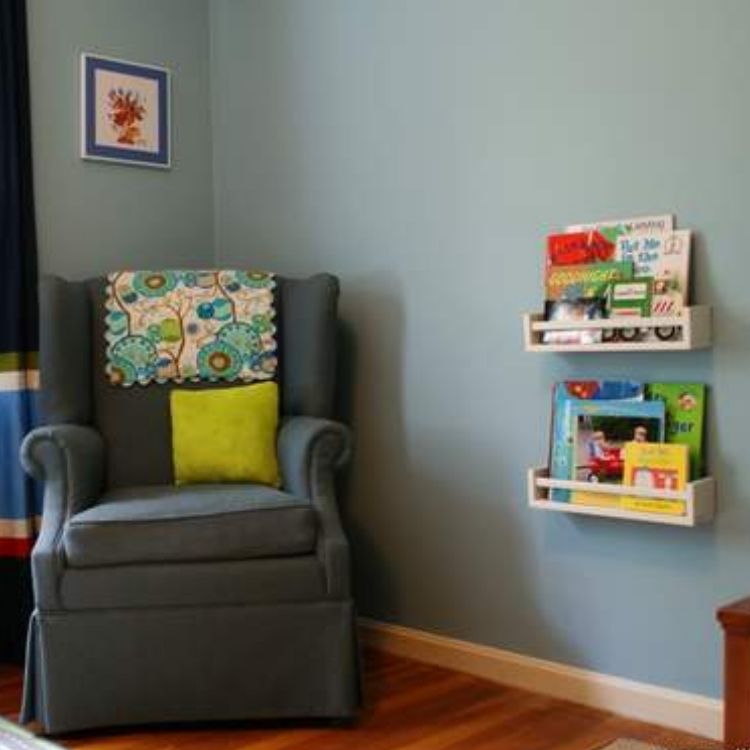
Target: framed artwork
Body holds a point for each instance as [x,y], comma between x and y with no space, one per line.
[125,114]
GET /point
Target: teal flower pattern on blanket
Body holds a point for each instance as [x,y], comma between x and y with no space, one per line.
[190,325]
[243,337]
[219,360]
[154,283]
[133,357]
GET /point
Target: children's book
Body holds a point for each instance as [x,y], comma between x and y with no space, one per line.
[601,431]
[574,311]
[570,248]
[686,410]
[613,229]
[631,298]
[664,257]
[657,466]
[562,436]
[654,505]
[584,281]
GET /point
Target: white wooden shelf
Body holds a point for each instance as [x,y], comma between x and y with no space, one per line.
[699,497]
[693,332]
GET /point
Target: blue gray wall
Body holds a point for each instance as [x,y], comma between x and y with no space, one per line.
[93,217]
[422,150]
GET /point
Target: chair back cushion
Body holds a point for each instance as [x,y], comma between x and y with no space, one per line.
[135,421]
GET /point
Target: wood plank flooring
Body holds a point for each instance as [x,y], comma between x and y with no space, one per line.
[410,706]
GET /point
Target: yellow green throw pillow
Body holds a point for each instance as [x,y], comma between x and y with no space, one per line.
[226,434]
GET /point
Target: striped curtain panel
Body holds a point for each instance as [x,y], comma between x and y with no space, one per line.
[19,378]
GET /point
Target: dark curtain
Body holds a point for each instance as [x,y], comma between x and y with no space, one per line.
[19,505]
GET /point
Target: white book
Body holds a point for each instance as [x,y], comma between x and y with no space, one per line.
[665,258]
[634,225]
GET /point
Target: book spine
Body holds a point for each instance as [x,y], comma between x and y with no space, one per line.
[595,499]
[652,505]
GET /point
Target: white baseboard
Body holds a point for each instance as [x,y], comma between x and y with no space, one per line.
[687,712]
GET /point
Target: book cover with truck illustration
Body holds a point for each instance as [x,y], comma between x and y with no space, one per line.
[631,298]
[656,466]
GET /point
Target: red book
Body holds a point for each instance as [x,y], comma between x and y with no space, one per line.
[579,247]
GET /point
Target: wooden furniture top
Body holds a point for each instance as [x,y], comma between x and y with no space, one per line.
[735,616]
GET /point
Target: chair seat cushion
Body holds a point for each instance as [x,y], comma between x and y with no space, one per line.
[190,524]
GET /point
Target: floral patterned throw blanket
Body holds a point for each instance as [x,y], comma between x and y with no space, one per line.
[189,325]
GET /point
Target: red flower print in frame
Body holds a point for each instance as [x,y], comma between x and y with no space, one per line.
[126,113]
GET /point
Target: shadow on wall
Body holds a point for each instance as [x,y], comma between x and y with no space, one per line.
[424,512]
[369,354]
[441,537]
[731,349]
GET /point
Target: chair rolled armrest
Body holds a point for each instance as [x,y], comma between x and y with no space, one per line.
[308,447]
[69,459]
[310,450]
[68,455]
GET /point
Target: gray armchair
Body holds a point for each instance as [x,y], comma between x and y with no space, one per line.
[157,603]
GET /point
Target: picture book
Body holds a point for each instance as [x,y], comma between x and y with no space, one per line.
[585,280]
[574,311]
[654,505]
[564,395]
[572,248]
[685,405]
[601,430]
[664,257]
[611,230]
[657,466]
[631,298]
[595,499]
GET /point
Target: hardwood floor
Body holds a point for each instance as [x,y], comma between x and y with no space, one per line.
[410,706]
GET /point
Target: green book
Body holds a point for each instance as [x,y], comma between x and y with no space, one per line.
[631,298]
[685,405]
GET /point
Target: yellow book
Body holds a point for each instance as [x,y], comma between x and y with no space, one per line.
[657,466]
[595,499]
[653,505]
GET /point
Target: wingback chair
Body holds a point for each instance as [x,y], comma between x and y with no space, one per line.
[164,603]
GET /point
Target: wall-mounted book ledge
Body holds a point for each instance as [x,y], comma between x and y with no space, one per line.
[698,499]
[688,331]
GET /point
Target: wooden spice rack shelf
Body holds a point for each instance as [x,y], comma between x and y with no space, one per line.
[699,497]
[693,331]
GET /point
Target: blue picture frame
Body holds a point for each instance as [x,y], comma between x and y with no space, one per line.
[131,123]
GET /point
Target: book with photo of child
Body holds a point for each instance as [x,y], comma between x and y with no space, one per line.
[601,431]
[594,420]
[574,311]
[565,395]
